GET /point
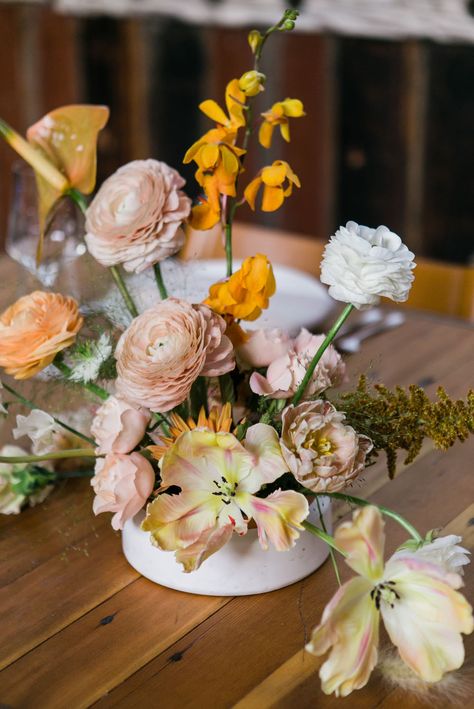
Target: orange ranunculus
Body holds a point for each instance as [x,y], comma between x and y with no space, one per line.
[34,329]
[246,293]
[278,116]
[277,180]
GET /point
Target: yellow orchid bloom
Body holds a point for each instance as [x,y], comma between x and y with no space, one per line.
[202,216]
[251,83]
[218,477]
[277,180]
[247,292]
[416,597]
[278,116]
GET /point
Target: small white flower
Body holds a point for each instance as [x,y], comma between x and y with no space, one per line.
[445,552]
[86,366]
[40,428]
[10,501]
[360,265]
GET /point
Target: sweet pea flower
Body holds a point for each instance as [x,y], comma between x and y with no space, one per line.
[40,428]
[122,484]
[285,373]
[360,265]
[422,611]
[119,426]
[218,477]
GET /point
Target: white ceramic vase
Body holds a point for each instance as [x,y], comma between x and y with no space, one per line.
[240,568]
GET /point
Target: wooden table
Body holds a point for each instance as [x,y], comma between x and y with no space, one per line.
[79,627]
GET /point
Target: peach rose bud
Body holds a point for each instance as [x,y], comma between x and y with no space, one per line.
[119,426]
[122,484]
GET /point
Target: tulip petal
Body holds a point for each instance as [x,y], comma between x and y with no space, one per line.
[363,539]
[278,516]
[426,621]
[350,625]
[210,541]
[268,463]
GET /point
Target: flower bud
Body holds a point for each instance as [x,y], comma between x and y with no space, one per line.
[254,40]
[288,25]
[251,83]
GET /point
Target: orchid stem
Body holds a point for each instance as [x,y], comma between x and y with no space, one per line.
[90,386]
[327,341]
[323,535]
[120,282]
[159,281]
[228,247]
[389,513]
[31,405]
[55,455]
[331,550]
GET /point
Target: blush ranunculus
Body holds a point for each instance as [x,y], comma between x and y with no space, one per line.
[323,453]
[135,218]
[119,426]
[360,265]
[122,484]
[285,373]
[34,329]
[166,348]
[263,346]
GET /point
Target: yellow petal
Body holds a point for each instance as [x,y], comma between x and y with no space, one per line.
[203,217]
[265,134]
[272,198]
[251,191]
[208,156]
[363,540]
[293,107]
[212,110]
[274,175]
[234,99]
[285,131]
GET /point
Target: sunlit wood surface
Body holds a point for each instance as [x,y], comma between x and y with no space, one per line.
[79,627]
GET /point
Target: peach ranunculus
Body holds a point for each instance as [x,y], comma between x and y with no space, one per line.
[323,453]
[34,329]
[261,347]
[246,293]
[135,218]
[417,599]
[166,348]
[285,373]
[219,477]
[122,484]
[119,426]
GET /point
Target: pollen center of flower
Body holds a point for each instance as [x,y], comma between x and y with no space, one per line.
[319,444]
[225,490]
[385,592]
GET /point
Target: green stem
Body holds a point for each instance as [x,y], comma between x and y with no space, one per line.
[31,405]
[389,513]
[78,198]
[228,247]
[74,474]
[90,386]
[323,535]
[55,455]
[159,281]
[163,421]
[331,550]
[128,300]
[327,341]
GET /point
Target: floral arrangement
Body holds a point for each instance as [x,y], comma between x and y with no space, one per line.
[210,426]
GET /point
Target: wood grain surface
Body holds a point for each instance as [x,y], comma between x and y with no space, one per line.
[79,627]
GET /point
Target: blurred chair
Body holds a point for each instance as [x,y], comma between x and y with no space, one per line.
[439,287]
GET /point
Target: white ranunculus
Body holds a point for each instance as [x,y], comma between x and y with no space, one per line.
[10,500]
[360,265]
[40,428]
[445,552]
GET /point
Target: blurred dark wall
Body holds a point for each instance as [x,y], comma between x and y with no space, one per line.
[387,137]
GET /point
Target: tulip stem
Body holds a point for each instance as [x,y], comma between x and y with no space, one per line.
[327,341]
[159,281]
[90,386]
[389,513]
[31,405]
[55,455]
[331,550]
[330,541]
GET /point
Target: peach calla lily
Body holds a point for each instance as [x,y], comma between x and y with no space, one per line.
[219,477]
[422,611]
[278,115]
[278,180]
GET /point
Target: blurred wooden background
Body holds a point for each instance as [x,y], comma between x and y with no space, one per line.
[387,137]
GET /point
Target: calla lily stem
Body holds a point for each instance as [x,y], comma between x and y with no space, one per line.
[55,455]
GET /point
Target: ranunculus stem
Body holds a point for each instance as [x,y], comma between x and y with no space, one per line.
[32,405]
[132,308]
[90,386]
[327,341]
[159,281]
[322,535]
[55,455]
[389,513]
